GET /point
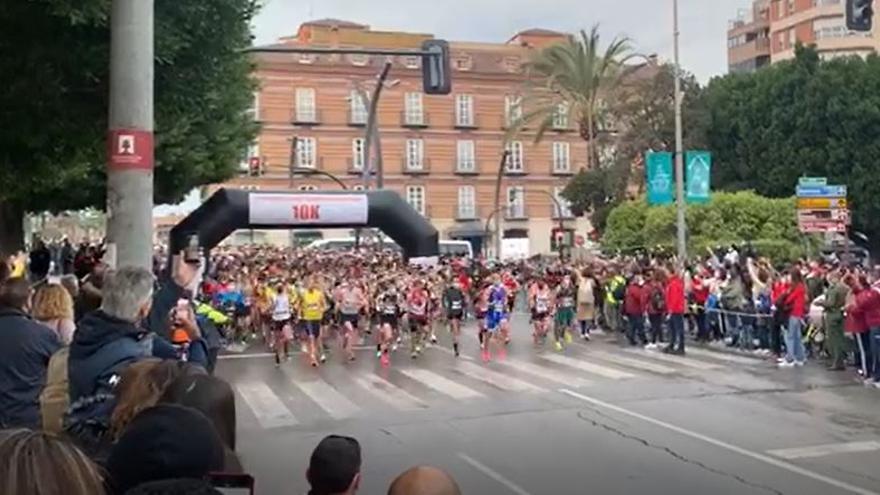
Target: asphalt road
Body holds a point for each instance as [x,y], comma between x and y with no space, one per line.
[597,418]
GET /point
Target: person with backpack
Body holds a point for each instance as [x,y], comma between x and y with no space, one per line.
[656,307]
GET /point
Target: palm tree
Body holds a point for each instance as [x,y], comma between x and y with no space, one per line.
[572,78]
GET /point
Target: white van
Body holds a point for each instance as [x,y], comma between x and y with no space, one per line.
[447,248]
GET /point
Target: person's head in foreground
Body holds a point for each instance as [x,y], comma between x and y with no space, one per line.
[39,463]
[424,480]
[165,442]
[335,467]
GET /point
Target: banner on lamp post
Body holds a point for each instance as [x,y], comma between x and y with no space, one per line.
[659,178]
[698,170]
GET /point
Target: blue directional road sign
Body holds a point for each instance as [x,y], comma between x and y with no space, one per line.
[821,191]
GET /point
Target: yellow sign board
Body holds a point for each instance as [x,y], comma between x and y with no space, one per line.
[821,203]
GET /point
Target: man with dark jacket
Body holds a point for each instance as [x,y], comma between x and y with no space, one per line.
[25,349]
[128,327]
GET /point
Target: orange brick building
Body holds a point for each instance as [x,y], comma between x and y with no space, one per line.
[769,30]
[441,153]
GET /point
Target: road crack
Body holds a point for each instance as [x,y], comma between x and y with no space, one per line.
[680,457]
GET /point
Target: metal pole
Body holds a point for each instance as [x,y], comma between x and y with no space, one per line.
[681,227]
[130,188]
[501,166]
[371,127]
[290,168]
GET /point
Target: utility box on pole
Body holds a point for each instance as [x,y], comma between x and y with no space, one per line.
[130,135]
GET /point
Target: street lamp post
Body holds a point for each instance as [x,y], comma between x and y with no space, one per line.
[681,227]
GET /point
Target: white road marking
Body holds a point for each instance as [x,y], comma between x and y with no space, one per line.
[267,407]
[328,398]
[495,475]
[723,356]
[669,358]
[595,369]
[824,450]
[724,445]
[440,384]
[247,356]
[395,396]
[496,379]
[632,363]
[545,373]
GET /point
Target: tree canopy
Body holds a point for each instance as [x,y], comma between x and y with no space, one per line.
[768,224]
[804,117]
[55,73]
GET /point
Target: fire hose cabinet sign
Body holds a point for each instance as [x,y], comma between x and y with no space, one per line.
[308,209]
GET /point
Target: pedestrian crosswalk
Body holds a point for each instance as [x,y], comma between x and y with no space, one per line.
[296,395]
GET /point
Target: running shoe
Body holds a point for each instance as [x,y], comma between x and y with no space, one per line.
[433,339]
[414,355]
[558,346]
[568,338]
[787,364]
[323,358]
[385,360]
[378,354]
[484,354]
[394,347]
[586,336]
[418,349]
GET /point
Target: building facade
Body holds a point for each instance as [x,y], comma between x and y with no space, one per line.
[441,153]
[769,31]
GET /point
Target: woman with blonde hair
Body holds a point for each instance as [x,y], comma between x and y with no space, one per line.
[52,306]
[40,463]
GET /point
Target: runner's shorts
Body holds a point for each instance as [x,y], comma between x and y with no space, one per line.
[565,317]
[312,327]
[353,319]
[456,314]
[391,320]
[416,323]
[494,319]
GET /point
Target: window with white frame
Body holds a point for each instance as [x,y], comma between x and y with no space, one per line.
[358,107]
[306,151]
[512,109]
[307,58]
[464,110]
[516,202]
[560,116]
[514,156]
[252,151]
[254,110]
[415,196]
[564,204]
[305,105]
[463,63]
[357,154]
[411,62]
[413,108]
[415,152]
[466,156]
[561,157]
[359,59]
[467,199]
[307,188]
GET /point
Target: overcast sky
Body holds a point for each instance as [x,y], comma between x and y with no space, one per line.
[647,22]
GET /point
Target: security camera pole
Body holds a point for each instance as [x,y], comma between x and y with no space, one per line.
[130,135]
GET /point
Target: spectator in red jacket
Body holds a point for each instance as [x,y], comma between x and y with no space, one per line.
[795,354]
[655,292]
[855,320]
[634,303]
[868,304]
[700,294]
[675,306]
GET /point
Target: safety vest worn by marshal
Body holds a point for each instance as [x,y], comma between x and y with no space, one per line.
[615,290]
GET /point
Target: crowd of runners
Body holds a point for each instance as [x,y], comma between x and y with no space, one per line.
[286,297]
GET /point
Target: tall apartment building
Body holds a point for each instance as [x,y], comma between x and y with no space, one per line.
[441,153]
[768,32]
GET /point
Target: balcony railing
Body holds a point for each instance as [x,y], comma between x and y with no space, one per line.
[474,169]
[357,119]
[316,164]
[561,169]
[306,117]
[421,167]
[459,123]
[516,212]
[413,119]
[467,212]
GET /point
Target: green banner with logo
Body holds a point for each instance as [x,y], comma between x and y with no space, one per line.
[659,179]
[698,170]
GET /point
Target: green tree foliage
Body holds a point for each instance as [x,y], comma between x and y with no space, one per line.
[54,73]
[803,117]
[639,116]
[730,218]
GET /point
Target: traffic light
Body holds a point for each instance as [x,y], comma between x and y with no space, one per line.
[255,166]
[436,76]
[859,15]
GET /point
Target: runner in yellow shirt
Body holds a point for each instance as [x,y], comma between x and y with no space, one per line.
[313,304]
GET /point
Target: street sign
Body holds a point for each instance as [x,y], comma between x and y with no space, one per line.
[823,215]
[812,227]
[821,191]
[130,149]
[813,181]
[658,166]
[820,203]
[699,175]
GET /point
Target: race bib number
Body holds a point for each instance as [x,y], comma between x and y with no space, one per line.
[456,305]
[568,302]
